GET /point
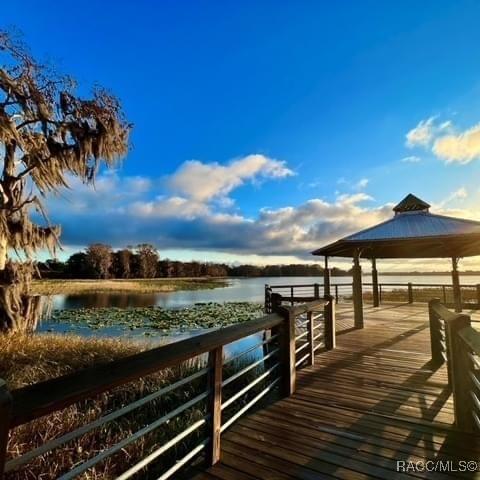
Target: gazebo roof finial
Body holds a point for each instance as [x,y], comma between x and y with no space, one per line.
[413,232]
[411,203]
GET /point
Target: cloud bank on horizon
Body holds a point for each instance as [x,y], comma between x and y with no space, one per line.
[192,209]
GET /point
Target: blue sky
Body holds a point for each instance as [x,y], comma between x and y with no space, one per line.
[263,129]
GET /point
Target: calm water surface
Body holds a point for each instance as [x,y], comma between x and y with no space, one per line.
[238,290]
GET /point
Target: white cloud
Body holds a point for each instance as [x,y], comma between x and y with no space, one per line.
[362,183]
[422,134]
[426,132]
[444,142]
[458,195]
[411,159]
[359,185]
[461,148]
[206,181]
[168,208]
[461,193]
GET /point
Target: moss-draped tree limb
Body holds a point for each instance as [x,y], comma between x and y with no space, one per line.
[47,133]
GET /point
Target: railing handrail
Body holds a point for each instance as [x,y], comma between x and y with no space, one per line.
[455,342]
[387,284]
[442,311]
[40,399]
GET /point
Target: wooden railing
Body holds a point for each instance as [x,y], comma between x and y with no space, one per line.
[294,294]
[289,339]
[401,292]
[456,342]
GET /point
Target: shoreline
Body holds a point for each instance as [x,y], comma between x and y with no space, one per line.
[131,285]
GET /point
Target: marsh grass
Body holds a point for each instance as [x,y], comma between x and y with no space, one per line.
[31,359]
[140,285]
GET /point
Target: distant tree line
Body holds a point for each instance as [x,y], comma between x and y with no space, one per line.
[143,261]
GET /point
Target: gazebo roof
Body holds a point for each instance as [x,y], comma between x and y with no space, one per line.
[413,232]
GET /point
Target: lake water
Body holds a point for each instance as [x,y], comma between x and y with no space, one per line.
[237,290]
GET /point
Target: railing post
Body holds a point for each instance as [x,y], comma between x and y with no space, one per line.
[379,293]
[291,296]
[444,290]
[326,281]
[457,291]
[336,294]
[267,304]
[410,293]
[329,317]
[435,333]
[376,301]
[357,292]
[275,301]
[5,416]
[459,369]
[286,343]
[316,290]
[478,295]
[215,362]
[310,335]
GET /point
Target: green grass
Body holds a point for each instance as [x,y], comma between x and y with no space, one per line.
[141,285]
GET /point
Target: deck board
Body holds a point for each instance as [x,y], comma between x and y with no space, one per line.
[373,400]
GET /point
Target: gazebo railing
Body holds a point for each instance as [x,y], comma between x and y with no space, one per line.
[407,292]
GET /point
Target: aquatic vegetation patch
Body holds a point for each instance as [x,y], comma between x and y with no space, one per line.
[157,320]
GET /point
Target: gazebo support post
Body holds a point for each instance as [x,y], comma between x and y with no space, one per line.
[376,297]
[357,291]
[326,278]
[457,294]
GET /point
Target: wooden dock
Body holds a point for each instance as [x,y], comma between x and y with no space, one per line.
[373,401]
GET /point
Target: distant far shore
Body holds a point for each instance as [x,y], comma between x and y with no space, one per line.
[158,285]
[130,285]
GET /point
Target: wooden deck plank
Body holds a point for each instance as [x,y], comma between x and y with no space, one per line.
[372,401]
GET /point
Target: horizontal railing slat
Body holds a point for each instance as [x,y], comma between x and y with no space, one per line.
[250,404]
[472,338]
[248,387]
[180,463]
[261,360]
[164,448]
[57,442]
[87,464]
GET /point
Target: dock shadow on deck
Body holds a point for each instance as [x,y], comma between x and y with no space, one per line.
[362,407]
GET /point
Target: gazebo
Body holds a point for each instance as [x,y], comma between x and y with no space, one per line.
[413,232]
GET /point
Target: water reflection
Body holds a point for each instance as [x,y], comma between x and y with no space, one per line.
[103,300]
